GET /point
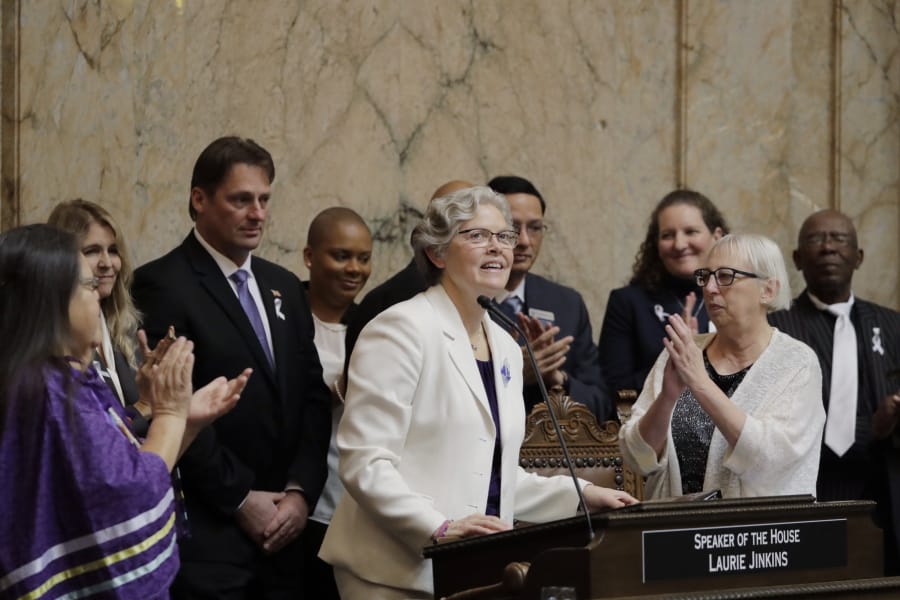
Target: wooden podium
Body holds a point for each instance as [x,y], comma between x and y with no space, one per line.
[792,543]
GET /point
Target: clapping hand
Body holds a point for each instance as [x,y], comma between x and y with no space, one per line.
[685,356]
[150,358]
[885,419]
[688,313]
[216,398]
[549,352]
[165,382]
[206,404]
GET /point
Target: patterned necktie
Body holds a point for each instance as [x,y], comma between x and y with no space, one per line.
[511,307]
[240,277]
[840,428]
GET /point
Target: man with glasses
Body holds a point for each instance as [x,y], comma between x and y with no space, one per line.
[554,316]
[858,345]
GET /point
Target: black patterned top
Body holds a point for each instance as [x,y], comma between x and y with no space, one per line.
[692,428]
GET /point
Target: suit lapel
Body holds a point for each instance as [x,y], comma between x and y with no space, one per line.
[873,336]
[126,378]
[502,377]
[269,293]
[220,291]
[532,293]
[456,342]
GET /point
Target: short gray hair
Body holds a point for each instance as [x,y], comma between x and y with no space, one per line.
[442,221]
[765,259]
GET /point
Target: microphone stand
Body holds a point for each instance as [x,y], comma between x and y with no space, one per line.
[494,309]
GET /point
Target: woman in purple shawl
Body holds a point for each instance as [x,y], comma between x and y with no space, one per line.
[88,510]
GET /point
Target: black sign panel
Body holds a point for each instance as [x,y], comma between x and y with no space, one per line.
[742,549]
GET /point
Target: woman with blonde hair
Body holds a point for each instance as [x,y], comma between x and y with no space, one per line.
[102,244]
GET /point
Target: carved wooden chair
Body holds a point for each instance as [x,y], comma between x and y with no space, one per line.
[594,448]
[624,400]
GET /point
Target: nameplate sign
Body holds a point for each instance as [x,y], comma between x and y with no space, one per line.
[743,549]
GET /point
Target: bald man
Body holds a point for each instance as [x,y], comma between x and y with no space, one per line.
[402,286]
[828,254]
[338,255]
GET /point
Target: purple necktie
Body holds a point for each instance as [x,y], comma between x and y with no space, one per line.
[240,279]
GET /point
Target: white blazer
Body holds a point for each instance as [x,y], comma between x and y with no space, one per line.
[416,442]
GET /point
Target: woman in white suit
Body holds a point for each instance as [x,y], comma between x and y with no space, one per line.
[434,415]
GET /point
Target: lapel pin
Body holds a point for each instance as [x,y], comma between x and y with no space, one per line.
[504,372]
[660,312]
[876,341]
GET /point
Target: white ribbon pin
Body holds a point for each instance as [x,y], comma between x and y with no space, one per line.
[278,312]
[661,314]
[876,341]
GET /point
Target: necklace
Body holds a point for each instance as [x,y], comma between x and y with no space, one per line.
[482,335]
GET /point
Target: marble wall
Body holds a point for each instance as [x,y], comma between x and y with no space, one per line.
[773,108]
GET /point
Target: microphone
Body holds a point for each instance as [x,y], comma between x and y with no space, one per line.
[492,307]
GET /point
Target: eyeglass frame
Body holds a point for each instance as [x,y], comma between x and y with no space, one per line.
[706,274]
[91,283]
[490,236]
[534,228]
[820,238]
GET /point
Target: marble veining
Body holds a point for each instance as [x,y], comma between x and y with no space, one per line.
[374,103]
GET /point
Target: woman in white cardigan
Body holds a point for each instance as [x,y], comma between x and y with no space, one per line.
[434,415]
[740,409]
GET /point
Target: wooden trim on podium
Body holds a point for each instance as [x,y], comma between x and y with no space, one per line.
[612,564]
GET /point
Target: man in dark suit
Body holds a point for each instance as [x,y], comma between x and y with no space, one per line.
[867,464]
[554,316]
[252,478]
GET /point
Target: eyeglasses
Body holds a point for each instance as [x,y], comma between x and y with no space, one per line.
[479,238]
[91,283]
[816,240]
[724,276]
[534,228]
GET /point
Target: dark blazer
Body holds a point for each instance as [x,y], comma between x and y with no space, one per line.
[806,322]
[127,378]
[279,431]
[632,333]
[401,286]
[586,383]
